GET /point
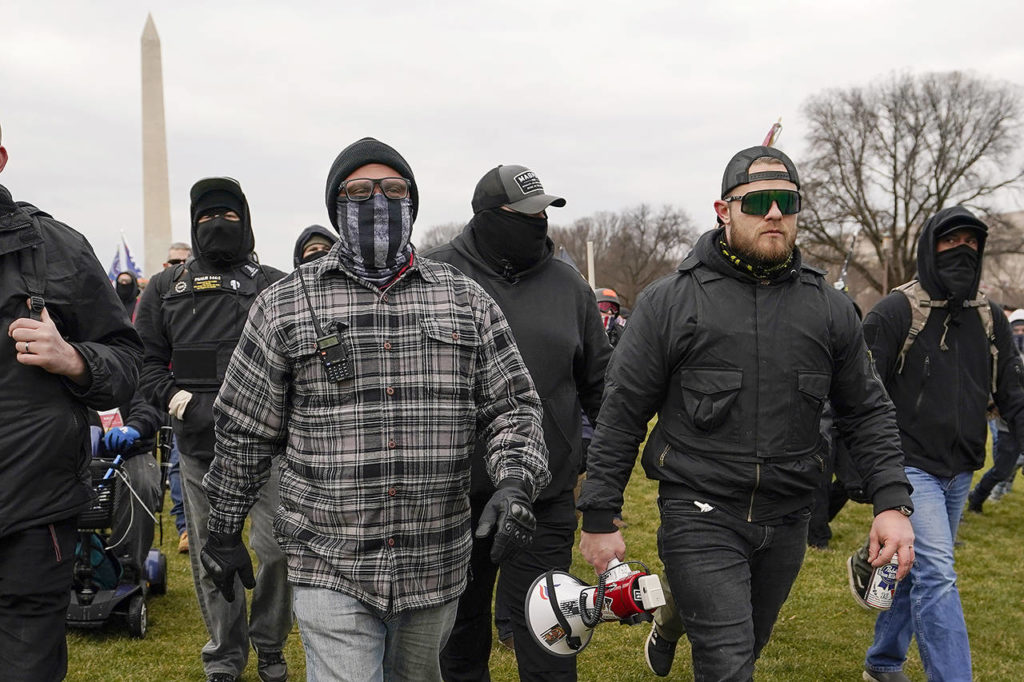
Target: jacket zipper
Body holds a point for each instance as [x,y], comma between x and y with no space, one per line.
[757,482]
[661,459]
[927,373]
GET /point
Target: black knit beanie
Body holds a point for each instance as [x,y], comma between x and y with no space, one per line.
[360,153]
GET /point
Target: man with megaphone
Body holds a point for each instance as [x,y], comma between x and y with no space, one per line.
[737,352]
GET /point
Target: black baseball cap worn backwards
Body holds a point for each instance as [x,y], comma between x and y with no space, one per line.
[737,171]
[514,186]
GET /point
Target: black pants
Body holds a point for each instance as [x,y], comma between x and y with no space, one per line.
[1004,457]
[35,589]
[466,655]
[729,579]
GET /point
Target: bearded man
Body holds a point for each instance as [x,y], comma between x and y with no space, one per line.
[737,353]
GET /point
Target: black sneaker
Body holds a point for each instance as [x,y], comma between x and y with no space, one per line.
[858,570]
[221,677]
[659,653]
[973,503]
[272,667]
[872,676]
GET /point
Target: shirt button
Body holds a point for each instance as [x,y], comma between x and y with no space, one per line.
[392,492]
[455,336]
[391,542]
[389,390]
[392,444]
[387,345]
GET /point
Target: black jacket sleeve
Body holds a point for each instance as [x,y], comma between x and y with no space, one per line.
[590,364]
[635,387]
[866,415]
[1009,394]
[94,322]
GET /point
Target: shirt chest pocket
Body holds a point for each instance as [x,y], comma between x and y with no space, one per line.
[450,347]
[708,396]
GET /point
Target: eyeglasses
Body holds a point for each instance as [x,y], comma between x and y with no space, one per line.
[361,189]
[759,202]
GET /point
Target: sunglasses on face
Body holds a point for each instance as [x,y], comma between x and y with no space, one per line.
[361,189]
[759,202]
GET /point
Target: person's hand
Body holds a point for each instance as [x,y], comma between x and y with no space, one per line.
[510,512]
[600,548]
[891,533]
[39,344]
[120,439]
[224,556]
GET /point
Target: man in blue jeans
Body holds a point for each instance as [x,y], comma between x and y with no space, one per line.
[941,381]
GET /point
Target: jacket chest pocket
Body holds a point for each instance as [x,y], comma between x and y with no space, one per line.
[450,347]
[708,396]
[807,406]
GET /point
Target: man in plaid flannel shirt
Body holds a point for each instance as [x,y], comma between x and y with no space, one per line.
[375,455]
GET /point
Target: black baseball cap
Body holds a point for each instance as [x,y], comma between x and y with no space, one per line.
[736,172]
[517,187]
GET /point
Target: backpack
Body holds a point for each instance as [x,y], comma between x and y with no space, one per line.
[32,261]
[920,307]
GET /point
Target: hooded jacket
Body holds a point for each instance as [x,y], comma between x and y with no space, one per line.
[190,317]
[304,237]
[941,395]
[133,294]
[738,371]
[554,318]
[44,433]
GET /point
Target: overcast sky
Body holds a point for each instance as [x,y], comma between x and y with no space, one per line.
[611,103]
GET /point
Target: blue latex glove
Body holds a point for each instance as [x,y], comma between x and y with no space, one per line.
[120,439]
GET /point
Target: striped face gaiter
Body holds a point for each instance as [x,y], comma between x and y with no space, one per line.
[374,236]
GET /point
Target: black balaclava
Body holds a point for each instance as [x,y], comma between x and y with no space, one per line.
[509,241]
[958,269]
[127,292]
[373,234]
[307,235]
[221,242]
[954,274]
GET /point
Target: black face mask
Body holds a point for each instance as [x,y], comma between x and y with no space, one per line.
[958,270]
[125,291]
[220,240]
[517,239]
[1018,341]
[316,255]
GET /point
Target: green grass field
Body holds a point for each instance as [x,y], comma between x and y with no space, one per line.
[820,635]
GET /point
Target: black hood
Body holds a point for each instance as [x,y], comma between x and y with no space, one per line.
[306,234]
[229,186]
[946,220]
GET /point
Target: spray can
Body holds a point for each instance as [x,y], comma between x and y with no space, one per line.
[882,585]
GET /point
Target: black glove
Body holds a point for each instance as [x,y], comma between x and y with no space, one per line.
[224,556]
[509,509]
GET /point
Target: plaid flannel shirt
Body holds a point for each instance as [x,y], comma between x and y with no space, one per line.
[375,469]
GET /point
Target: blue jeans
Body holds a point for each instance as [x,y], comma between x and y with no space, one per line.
[927,602]
[346,641]
[174,483]
[729,579]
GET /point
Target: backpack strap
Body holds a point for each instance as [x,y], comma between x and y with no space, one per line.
[920,308]
[32,261]
[985,312]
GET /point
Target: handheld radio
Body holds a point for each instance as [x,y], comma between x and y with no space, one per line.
[332,352]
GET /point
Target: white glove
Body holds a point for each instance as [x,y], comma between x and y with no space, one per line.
[179,401]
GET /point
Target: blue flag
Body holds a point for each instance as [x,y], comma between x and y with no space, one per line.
[129,263]
[115,267]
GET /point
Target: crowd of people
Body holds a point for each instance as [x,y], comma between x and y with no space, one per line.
[406,432]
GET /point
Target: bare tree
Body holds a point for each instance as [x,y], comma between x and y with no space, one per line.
[632,248]
[436,235]
[885,158]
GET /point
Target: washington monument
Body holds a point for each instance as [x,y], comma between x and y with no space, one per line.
[156,199]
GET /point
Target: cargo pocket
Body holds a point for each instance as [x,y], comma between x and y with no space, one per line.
[450,349]
[708,395]
[812,391]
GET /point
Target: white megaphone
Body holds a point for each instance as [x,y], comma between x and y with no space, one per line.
[562,611]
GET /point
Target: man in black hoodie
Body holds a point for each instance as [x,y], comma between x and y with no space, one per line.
[737,353]
[314,243]
[190,318]
[554,317]
[71,350]
[127,287]
[941,385]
